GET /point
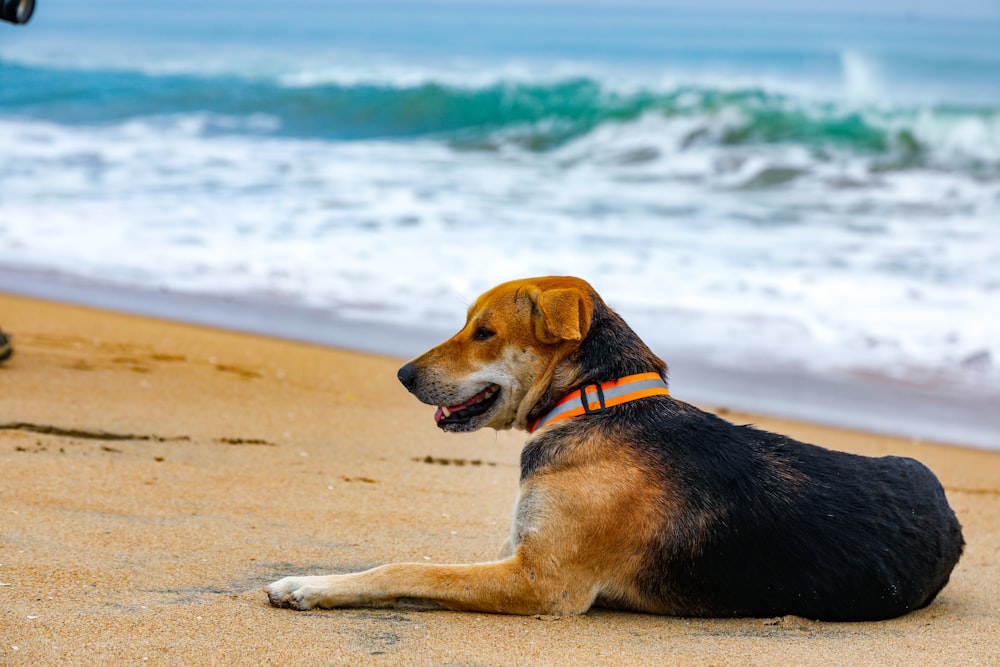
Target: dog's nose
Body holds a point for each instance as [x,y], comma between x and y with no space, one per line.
[408,376]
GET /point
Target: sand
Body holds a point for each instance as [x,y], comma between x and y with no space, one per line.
[154,476]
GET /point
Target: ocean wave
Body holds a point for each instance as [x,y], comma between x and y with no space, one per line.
[531,116]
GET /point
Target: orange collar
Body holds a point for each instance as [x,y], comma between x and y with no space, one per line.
[597,397]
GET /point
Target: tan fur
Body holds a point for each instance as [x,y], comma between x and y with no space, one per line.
[580,526]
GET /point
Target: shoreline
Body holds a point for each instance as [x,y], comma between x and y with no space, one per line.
[924,413]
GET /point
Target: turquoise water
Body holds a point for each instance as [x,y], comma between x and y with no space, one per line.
[760,190]
[531,115]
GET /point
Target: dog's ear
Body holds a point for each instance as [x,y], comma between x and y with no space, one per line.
[561,314]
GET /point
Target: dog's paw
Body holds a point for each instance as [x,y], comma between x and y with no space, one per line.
[299,593]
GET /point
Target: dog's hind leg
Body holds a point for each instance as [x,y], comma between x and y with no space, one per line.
[509,587]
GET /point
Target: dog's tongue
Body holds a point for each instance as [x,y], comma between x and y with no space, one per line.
[443,412]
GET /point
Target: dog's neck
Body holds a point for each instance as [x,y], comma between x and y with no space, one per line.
[611,350]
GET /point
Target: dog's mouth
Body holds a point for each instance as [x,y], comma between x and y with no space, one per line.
[466,411]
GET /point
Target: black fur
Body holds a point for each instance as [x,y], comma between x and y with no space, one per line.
[769,526]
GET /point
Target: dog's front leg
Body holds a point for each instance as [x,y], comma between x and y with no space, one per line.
[507,586]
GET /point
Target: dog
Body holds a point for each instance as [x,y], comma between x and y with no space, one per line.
[631,499]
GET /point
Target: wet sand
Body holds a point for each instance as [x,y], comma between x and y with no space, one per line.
[154,476]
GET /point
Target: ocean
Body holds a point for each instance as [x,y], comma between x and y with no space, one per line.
[762,194]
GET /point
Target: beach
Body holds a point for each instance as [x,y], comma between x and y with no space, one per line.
[154,476]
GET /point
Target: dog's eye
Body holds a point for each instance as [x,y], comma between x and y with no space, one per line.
[482,333]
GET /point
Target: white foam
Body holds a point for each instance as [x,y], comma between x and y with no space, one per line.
[894,275]
[862,81]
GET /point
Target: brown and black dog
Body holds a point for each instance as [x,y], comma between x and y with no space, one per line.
[631,499]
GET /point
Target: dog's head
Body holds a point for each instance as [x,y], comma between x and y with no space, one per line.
[508,355]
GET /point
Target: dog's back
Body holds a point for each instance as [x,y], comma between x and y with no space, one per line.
[774,526]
